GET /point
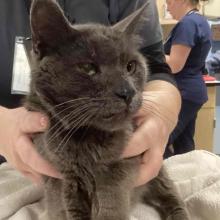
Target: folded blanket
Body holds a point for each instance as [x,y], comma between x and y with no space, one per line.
[196,176]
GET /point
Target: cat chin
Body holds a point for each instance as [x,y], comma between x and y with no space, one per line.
[113,123]
[112,128]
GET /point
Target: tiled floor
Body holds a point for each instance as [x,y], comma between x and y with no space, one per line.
[217,132]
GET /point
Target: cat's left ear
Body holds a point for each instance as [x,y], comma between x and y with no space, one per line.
[131,24]
[49,26]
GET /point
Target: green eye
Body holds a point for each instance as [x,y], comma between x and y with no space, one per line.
[89,68]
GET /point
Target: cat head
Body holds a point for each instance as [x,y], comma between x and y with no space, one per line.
[87,74]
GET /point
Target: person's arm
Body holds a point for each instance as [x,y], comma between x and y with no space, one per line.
[16,145]
[150,137]
[183,38]
[178,57]
[156,120]
[161,103]
[157,117]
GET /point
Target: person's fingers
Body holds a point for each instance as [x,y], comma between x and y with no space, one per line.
[138,142]
[30,156]
[140,113]
[150,166]
[33,122]
[19,165]
[35,178]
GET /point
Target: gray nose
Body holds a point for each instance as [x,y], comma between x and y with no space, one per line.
[125,92]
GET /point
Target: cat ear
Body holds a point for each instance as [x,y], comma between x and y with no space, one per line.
[131,24]
[48,25]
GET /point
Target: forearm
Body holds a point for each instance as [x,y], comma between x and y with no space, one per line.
[178,57]
[174,68]
[166,100]
[168,62]
[155,121]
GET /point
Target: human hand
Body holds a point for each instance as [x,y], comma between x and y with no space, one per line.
[16,126]
[155,121]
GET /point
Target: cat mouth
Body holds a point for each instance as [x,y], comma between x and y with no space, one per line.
[109,116]
[115,115]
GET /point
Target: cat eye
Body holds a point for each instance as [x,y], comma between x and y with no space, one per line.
[89,68]
[131,66]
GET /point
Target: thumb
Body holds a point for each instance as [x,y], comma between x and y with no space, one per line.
[138,142]
[31,122]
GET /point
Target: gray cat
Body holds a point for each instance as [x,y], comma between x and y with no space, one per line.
[88,79]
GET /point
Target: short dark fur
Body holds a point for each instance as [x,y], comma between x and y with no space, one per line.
[88,79]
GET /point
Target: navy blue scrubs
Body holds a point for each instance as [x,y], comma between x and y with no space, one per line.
[193,31]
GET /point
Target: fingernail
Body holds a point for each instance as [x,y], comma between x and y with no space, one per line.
[58,175]
[43,122]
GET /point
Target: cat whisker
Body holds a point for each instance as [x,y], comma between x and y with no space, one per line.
[77,100]
[63,110]
[66,136]
[159,105]
[76,126]
[76,110]
[90,104]
[73,115]
[70,101]
[86,119]
[158,113]
[59,122]
[91,121]
[70,116]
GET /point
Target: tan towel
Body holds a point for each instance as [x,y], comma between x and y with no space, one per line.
[196,175]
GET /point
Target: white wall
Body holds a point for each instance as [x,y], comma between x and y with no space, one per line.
[212,8]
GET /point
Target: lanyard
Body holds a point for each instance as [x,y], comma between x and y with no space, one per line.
[193,11]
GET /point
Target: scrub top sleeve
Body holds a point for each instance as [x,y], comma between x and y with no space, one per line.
[185,33]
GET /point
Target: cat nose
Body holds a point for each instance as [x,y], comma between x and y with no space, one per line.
[125,92]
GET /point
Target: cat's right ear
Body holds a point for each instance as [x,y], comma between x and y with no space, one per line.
[49,26]
[131,24]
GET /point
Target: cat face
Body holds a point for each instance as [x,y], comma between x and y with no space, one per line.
[86,74]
